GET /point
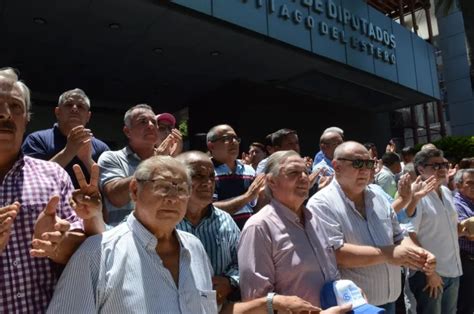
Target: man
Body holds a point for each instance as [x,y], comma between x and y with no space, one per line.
[328,142]
[386,177]
[363,229]
[464,203]
[166,123]
[144,265]
[408,154]
[283,248]
[320,155]
[214,227]
[236,190]
[435,226]
[256,154]
[35,197]
[68,142]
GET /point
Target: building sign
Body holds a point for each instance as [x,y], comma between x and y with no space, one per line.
[373,39]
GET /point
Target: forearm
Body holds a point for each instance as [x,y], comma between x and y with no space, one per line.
[257,306]
[399,203]
[351,256]
[63,158]
[232,205]
[411,207]
[117,191]
[93,226]
[68,246]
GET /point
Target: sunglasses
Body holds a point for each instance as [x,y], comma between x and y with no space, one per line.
[359,163]
[438,165]
[227,139]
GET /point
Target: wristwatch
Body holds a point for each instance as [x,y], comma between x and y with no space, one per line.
[270,296]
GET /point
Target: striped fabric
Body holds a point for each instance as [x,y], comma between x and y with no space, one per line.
[231,184]
[27,283]
[344,224]
[220,236]
[119,271]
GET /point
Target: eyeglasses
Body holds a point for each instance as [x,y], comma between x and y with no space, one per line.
[438,165]
[227,139]
[359,163]
[164,188]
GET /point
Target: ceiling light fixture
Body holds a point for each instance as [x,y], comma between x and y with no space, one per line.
[215,53]
[158,50]
[114,26]
[39,20]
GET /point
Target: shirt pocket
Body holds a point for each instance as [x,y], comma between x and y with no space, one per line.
[208,301]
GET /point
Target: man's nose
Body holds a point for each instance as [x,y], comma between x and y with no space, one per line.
[5,112]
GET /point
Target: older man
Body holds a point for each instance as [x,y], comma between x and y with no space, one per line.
[363,229]
[386,177]
[68,142]
[464,203]
[144,265]
[35,197]
[435,226]
[236,185]
[328,142]
[283,248]
[214,227]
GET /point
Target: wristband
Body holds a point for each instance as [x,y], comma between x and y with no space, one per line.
[270,296]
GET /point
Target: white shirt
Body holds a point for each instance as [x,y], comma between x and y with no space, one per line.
[344,224]
[435,224]
[119,271]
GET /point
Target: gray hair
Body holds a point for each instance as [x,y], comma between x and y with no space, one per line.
[127,119]
[459,177]
[212,133]
[77,91]
[409,168]
[188,157]
[10,74]
[273,166]
[147,168]
[422,157]
[335,129]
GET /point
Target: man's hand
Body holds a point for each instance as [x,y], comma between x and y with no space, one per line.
[246,159]
[293,304]
[308,161]
[49,232]
[421,188]
[430,264]
[7,217]
[407,255]
[223,288]
[404,187]
[85,152]
[171,146]
[434,285]
[257,186]
[87,201]
[338,309]
[77,138]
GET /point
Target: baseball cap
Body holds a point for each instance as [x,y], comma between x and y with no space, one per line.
[339,292]
[168,117]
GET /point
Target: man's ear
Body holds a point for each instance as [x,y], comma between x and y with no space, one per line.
[133,188]
[126,131]
[270,180]
[420,170]
[210,146]
[336,166]
[56,112]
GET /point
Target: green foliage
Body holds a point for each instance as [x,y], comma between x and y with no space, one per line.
[455,147]
[183,127]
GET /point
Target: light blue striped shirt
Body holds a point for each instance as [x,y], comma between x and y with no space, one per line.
[344,224]
[119,271]
[220,236]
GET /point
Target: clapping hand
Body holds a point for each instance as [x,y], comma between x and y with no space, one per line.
[7,217]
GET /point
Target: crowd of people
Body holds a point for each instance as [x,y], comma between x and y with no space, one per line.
[151,228]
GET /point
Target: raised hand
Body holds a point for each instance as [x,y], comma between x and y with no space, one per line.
[49,231]
[405,187]
[7,217]
[171,146]
[257,186]
[77,138]
[87,201]
[421,188]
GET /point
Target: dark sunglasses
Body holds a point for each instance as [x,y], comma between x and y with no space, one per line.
[438,165]
[359,163]
[227,139]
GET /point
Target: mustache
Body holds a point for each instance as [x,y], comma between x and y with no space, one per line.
[9,125]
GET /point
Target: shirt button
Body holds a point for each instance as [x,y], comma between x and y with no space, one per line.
[19,295]
[15,262]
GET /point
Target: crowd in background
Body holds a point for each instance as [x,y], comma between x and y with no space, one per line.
[150,228]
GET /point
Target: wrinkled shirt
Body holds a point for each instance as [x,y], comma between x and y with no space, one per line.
[27,283]
[119,271]
[278,253]
[344,224]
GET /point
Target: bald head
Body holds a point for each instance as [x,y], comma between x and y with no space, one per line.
[328,143]
[349,148]
[191,156]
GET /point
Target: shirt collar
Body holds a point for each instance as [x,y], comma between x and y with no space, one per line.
[17,166]
[464,199]
[288,214]
[210,215]
[129,152]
